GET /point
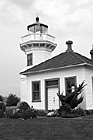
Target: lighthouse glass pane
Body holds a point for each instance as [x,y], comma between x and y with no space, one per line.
[44,29]
[37,28]
[36,91]
[32,29]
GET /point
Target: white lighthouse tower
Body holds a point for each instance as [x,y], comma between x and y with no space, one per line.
[37,44]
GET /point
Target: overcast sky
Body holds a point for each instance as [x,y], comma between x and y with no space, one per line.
[66,19]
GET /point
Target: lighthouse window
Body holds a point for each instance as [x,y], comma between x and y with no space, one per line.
[29,59]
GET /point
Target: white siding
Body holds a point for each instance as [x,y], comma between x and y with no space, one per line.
[23,89]
[89,90]
[39,54]
[79,72]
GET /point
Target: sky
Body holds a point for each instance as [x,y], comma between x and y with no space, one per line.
[66,20]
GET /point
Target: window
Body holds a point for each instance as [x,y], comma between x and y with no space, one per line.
[36,91]
[70,84]
[29,59]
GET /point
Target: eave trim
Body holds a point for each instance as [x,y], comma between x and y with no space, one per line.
[52,69]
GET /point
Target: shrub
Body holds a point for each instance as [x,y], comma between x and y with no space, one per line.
[12,113]
[69,115]
[23,106]
[2,114]
[15,113]
[74,113]
[91,111]
[79,111]
[27,114]
[2,109]
[70,101]
[87,112]
[12,100]
[41,112]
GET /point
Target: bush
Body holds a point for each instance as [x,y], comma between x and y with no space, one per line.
[41,112]
[30,113]
[12,100]
[74,113]
[2,109]
[89,112]
[69,115]
[2,114]
[15,113]
[23,106]
[12,113]
[79,111]
[70,101]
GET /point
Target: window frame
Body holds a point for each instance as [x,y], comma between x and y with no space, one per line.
[29,59]
[39,91]
[51,82]
[51,86]
[68,78]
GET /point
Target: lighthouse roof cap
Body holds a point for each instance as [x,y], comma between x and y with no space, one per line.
[37,23]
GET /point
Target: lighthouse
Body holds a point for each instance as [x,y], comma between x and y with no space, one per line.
[37,44]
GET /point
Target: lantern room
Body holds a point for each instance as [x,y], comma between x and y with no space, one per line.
[37,27]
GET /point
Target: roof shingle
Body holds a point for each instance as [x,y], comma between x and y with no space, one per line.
[65,59]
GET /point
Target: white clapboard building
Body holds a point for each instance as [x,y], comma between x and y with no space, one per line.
[44,76]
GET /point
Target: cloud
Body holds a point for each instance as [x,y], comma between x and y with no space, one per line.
[54,10]
[80,21]
[15,11]
[80,2]
[61,15]
[25,4]
[10,13]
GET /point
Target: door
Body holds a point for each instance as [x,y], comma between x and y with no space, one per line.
[53,100]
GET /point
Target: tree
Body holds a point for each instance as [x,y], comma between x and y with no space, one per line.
[1,98]
[2,109]
[70,101]
[12,100]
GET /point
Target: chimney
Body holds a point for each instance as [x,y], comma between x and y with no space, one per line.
[91,53]
[69,45]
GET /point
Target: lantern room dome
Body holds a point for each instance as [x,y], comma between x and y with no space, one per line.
[37,27]
[37,19]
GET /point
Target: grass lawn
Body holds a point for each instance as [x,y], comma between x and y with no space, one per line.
[47,129]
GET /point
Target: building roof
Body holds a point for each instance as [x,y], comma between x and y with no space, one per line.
[63,60]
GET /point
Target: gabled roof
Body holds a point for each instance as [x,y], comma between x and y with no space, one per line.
[63,60]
